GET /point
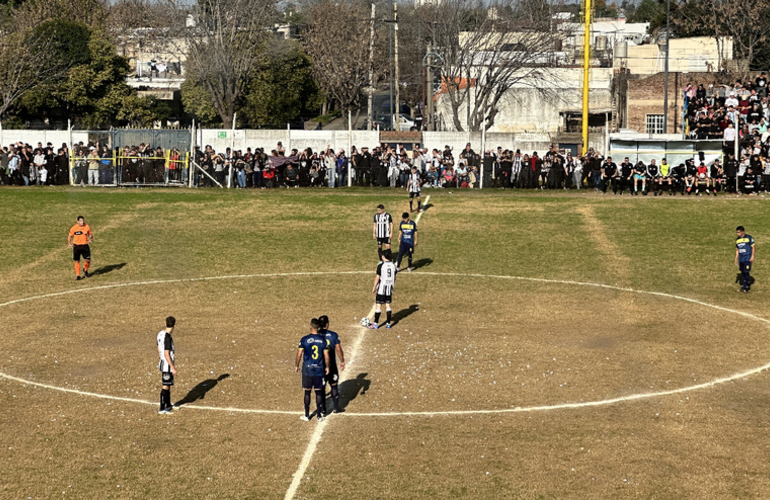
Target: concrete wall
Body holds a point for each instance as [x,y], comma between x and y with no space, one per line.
[55,137]
[318,140]
[526,109]
[697,54]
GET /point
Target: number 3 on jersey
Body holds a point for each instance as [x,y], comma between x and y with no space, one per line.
[315,352]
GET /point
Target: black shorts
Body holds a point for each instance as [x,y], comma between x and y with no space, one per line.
[333,377]
[383,241]
[167,378]
[384,299]
[311,382]
[412,194]
[79,251]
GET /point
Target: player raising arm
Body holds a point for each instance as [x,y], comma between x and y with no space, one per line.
[313,355]
[80,236]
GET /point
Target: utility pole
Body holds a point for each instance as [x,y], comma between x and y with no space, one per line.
[390,70]
[429,72]
[395,39]
[369,110]
[665,95]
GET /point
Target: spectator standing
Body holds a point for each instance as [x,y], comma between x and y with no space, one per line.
[93,167]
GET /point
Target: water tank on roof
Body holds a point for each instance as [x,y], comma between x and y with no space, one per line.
[600,43]
[621,50]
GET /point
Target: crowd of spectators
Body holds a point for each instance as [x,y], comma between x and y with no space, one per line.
[728,112]
[384,166]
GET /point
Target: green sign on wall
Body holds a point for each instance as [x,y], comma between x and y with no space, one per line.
[222,135]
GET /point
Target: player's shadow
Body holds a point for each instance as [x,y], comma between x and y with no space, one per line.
[403,313]
[421,263]
[107,269]
[426,207]
[350,389]
[200,390]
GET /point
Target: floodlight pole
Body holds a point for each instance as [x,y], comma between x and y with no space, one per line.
[586,72]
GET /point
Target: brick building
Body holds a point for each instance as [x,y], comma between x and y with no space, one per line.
[643,98]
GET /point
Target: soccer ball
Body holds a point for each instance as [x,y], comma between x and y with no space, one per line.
[364,321]
[702,176]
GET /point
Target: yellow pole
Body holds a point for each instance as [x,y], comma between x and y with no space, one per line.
[586,73]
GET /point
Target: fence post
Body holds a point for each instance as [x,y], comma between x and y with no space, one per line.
[190,173]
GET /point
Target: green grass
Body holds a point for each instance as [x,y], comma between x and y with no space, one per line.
[467,334]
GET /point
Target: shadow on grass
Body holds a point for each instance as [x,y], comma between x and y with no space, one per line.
[403,313]
[200,390]
[421,263]
[108,269]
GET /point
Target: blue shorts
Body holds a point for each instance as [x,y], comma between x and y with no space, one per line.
[312,382]
[639,177]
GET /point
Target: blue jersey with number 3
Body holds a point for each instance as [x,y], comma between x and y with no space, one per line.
[313,347]
[744,245]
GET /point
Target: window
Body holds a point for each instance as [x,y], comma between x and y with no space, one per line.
[655,124]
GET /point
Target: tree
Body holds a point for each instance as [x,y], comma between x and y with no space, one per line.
[487,50]
[282,88]
[337,39]
[650,11]
[38,56]
[221,47]
[94,93]
[196,100]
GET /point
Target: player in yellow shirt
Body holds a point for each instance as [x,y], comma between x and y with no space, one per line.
[79,238]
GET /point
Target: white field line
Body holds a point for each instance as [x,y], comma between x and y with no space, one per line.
[583,404]
[319,430]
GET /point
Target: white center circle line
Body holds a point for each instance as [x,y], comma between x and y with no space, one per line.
[560,406]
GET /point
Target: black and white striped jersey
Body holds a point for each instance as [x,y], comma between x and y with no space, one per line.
[382,224]
[165,343]
[387,273]
[414,183]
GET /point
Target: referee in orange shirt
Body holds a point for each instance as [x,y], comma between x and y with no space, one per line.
[79,238]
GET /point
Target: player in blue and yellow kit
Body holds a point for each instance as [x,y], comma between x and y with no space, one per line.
[744,257]
[335,352]
[407,240]
[314,355]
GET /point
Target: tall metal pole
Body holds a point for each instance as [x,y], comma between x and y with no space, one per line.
[665,94]
[429,72]
[369,110]
[350,148]
[586,72]
[395,43]
[390,72]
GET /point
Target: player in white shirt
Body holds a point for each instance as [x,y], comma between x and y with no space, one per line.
[413,186]
[166,365]
[383,288]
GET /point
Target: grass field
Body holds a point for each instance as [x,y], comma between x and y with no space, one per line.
[461,399]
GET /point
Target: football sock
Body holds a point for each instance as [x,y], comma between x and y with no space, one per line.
[419,205]
[319,402]
[86,264]
[307,404]
[165,399]
[379,252]
[389,313]
[323,399]
[410,205]
[377,318]
[336,397]
[77,268]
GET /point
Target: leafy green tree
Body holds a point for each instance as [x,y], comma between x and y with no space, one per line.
[650,11]
[282,88]
[95,93]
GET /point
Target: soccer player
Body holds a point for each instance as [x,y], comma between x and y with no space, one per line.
[717,176]
[166,365]
[315,366]
[413,185]
[609,172]
[665,176]
[335,351]
[702,178]
[407,241]
[383,288]
[653,175]
[744,257]
[382,229]
[79,238]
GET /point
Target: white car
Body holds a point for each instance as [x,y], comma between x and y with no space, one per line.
[405,122]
